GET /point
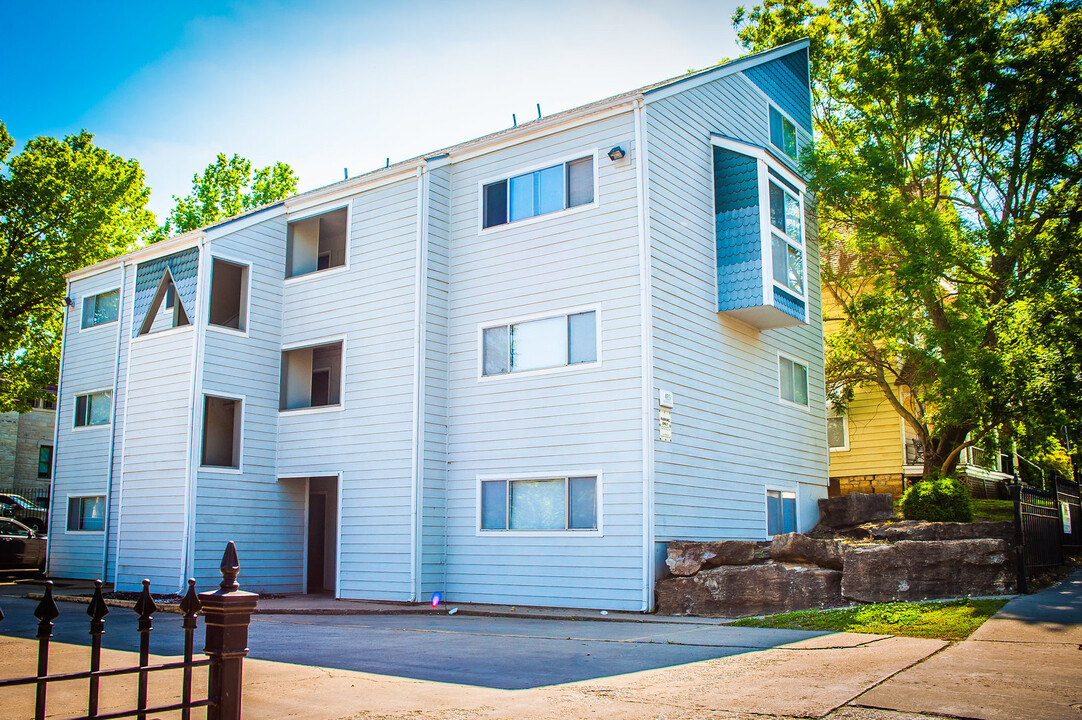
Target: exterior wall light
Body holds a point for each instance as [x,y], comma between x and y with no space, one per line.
[617,153]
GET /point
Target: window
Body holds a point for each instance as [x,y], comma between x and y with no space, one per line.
[93,408]
[540,192]
[46,403]
[794,381]
[228,294]
[536,344]
[780,512]
[782,133]
[101,309]
[45,461]
[86,513]
[222,420]
[165,311]
[786,245]
[311,377]
[545,504]
[316,243]
[837,431]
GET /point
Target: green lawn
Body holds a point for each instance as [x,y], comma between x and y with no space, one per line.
[982,509]
[955,620]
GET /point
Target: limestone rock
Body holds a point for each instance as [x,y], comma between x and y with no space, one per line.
[797,548]
[687,557]
[916,570]
[855,509]
[922,530]
[737,591]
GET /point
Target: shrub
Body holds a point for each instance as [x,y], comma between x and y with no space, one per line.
[941,500]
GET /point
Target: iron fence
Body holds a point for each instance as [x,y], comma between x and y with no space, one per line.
[228,611]
[1070,507]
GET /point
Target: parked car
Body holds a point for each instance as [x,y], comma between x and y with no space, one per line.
[23,510]
[20,548]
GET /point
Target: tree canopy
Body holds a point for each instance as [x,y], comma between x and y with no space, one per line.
[948,167]
[229,187]
[64,204]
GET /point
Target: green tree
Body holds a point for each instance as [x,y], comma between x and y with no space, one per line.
[229,187]
[64,204]
[947,168]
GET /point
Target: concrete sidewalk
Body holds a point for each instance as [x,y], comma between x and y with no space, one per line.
[1025,662]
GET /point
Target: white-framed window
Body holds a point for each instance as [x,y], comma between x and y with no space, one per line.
[86,513]
[101,309]
[93,408]
[228,295]
[317,242]
[544,504]
[780,512]
[312,376]
[539,343]
[786,238]
[783,133]
[837,431]
[223,421]
[563,185]
[792,381]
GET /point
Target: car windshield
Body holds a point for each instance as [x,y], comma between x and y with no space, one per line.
[20,501]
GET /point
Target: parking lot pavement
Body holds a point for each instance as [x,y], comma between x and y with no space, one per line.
[493,652]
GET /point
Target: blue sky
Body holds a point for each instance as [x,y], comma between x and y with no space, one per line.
[329,84]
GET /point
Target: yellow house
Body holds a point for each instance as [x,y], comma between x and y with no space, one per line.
[873,449]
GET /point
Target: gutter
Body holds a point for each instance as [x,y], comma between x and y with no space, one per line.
[112,423]
[56,437]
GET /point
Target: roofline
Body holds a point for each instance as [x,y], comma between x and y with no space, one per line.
[492,142]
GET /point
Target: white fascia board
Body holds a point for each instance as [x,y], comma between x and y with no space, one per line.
[708,76]
[760,153]
[158,249]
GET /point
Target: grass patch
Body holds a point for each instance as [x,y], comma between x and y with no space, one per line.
[993,510]
[955,620]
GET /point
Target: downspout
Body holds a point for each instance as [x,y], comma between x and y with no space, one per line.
[56,436]
[646,321]
[420,319]
[198,319]
[112,418]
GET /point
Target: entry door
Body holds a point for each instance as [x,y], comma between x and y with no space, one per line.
[317,536]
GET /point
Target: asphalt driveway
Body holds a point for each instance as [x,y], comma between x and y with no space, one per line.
[492,652]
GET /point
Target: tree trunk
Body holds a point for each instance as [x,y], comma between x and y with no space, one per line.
[939,449]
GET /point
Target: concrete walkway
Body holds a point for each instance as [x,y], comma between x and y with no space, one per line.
[1025,662]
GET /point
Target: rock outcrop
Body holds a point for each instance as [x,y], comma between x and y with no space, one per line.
[855,509]
[797,548]
[919,570]
[738,591]
[687,558]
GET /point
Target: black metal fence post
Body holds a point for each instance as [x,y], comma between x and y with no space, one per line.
[146,608]
[97,610]
[45,612]
[1019,537]
[190,606]
[228,611]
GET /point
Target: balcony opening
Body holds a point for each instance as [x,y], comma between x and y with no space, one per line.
[228,295]
[221,432]
[316,243]
[311,377]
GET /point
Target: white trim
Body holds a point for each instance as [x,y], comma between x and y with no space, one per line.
[563,160]
[195,390]
[337,537]
[304,543]
[56,427]
[65,530]
[831,415]
[201,412]
[143,337]
[801,245]
[150,252]
[759,153]
[781,486]
[804,364]
[341,379]
[315,211]
[710,75]
[566,367]
[82,300]
[595,473]
[796,135]
[75,406]
[646,346]
[124,435]
[247,265]
[419,365]
[112,416]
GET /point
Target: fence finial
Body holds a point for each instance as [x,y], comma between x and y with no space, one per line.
[46,612]
[230,568]
[97,609]
[189,604]
[145,606]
